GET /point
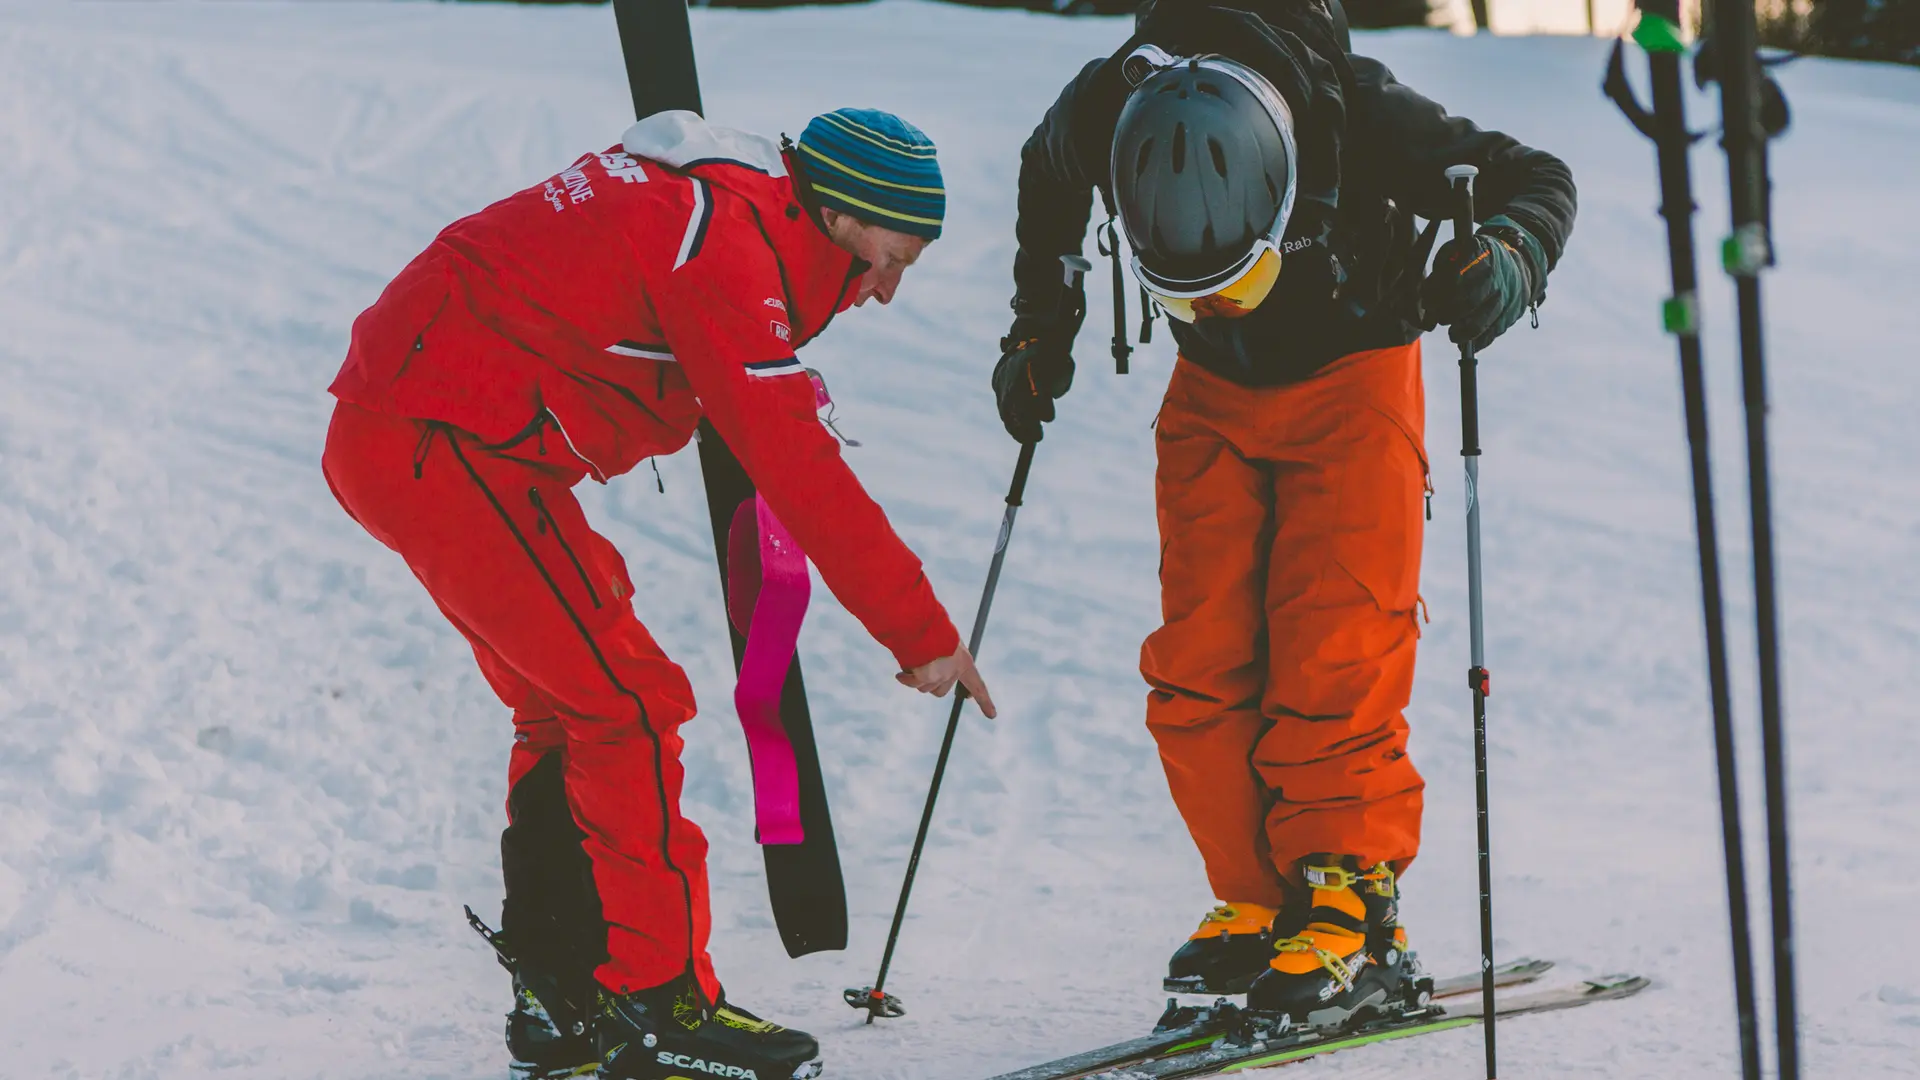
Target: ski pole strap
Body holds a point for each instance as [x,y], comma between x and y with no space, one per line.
[767,593]
[1109,245]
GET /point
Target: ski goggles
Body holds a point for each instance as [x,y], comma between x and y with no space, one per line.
[1228,295]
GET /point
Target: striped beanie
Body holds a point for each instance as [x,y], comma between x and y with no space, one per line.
[876,167]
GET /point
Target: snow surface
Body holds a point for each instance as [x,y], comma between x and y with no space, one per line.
[248,775]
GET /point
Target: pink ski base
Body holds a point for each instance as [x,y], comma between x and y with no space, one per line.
[767,593]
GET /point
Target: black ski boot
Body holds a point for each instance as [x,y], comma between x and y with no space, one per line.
[669,1031]
[1350,963]
[1230,950]
[550,1030]
[546,1046]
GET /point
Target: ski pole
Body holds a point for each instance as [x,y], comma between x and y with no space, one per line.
[1460,177]
[1658,33]
[874,999]
[1752,111]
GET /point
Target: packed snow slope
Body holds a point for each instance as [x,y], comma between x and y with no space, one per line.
[248,775]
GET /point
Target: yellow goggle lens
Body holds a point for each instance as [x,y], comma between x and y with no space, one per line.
[1230,301]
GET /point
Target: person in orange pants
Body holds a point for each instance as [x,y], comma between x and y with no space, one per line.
[1290,525]
[1267,180]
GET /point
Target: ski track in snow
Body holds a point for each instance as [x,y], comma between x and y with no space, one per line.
[248,775]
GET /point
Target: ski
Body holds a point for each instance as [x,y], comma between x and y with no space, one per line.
[1226,1060]
[1187,1028]
[804,882]
[1224,1056]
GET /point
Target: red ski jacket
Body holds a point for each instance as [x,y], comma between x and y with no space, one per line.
[617,303]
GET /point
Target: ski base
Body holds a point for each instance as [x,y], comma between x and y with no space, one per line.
[1185,1028]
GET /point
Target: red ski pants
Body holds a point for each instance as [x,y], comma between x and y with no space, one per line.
[1290,530]
[500,542]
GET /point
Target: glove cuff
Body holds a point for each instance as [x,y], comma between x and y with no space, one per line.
[1533,256]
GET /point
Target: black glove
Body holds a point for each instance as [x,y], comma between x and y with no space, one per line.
[1481,286]
[1036,360]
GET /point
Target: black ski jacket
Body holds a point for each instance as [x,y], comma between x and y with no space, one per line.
[1373,154]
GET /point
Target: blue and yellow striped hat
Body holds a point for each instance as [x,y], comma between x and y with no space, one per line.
[877,167]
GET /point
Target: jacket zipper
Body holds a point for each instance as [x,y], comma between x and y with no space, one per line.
[852,276]
[544,520]
[531,431]
[422,448]
[786,288]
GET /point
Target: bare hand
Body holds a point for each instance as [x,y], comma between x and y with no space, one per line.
[939,677]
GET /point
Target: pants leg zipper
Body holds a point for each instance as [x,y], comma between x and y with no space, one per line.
[545,521]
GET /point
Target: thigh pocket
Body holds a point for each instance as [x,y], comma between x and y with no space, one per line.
[1388,485]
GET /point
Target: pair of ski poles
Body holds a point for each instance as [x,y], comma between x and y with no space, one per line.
[1752,112]
[877,1002]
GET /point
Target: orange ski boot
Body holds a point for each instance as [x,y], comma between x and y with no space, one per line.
[1226,954]
[1350,962]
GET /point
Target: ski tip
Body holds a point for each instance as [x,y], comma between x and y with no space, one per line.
[1620,985]
[1526,965]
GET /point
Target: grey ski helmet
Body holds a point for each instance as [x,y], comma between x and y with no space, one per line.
[1203,164]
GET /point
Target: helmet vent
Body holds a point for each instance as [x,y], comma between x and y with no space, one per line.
[1202,165]
[1145,156]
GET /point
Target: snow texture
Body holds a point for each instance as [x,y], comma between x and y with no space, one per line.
[248,775]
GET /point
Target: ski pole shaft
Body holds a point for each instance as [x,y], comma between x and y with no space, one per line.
[1461,179]
[875,999]
[1748,251]
[1659,34]
[877,996]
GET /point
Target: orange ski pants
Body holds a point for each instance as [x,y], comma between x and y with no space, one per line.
[1290,533]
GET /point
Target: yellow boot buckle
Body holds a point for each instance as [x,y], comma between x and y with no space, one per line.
[1342,972]
[1329,877]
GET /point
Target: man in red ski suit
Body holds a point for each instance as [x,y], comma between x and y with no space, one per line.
[570,331]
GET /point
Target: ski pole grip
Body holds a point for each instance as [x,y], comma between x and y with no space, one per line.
[1018,489]
[1076,268]
[1460,179]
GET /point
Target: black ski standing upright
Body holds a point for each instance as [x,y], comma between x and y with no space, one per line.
[803,880]
[1460,179]
[1752,111]
[1658,33]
